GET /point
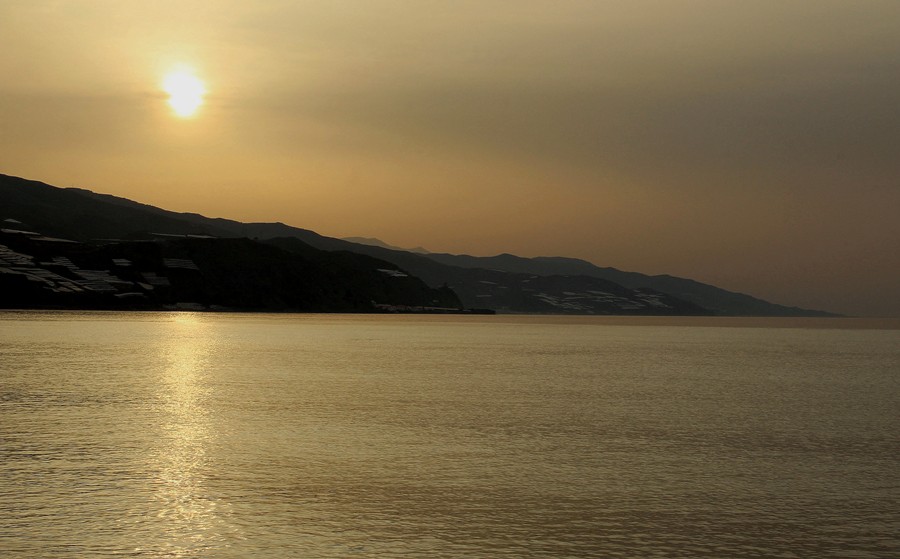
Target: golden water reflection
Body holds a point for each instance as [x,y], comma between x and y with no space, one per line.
[195,520]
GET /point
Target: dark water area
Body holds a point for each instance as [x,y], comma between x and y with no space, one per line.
[170,435]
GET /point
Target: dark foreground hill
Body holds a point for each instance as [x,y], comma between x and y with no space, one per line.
[505,283]
[66,248]
[204,273]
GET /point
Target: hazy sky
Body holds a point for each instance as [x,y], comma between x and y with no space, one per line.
[752,145]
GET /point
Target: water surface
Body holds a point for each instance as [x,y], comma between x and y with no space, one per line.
[158,435]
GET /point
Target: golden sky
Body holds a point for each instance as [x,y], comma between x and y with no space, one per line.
[752,145]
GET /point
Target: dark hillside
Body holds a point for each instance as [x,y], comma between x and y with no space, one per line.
[88,216]
[719,301]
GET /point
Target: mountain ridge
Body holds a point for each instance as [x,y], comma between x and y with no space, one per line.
[576,286]
[718,300]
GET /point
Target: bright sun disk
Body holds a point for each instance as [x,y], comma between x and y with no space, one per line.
[185,91]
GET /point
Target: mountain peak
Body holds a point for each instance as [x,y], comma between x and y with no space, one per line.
[372,241]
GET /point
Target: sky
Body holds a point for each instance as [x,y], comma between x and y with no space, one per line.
[751,145]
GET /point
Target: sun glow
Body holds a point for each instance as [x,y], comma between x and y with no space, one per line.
[185,91]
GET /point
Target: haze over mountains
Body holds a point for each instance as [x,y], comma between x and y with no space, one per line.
[338,274]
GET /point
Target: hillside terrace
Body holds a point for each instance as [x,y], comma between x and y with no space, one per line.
[30,260]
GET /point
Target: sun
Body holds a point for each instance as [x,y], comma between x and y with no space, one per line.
[185,91]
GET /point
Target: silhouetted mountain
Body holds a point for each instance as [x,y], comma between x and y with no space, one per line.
[372,241]
[506,282]
[181,267]
[720,301]
[528,293]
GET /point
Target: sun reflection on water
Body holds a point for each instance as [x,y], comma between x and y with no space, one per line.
[194,518]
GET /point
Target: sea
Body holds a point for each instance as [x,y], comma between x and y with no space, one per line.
[218,435]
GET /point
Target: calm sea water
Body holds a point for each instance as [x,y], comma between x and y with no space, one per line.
[219,435]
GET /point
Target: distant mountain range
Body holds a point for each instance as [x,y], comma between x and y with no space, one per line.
[371,241]
[279,267]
